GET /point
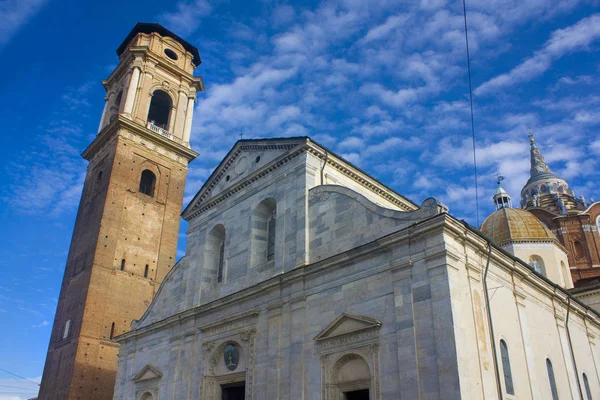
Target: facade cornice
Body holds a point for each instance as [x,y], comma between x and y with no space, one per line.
[121,122]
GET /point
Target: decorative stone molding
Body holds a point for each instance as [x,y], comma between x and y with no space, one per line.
[331,364]
[429,208]
[347,338]
[147,381]
[240,331]
[231,324]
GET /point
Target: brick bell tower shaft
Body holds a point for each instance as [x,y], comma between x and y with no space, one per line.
[125,236]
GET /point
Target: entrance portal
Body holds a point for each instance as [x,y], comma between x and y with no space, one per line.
[357,395]
[235,391]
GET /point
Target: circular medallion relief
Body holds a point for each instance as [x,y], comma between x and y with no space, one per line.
[242,165]
[231,356]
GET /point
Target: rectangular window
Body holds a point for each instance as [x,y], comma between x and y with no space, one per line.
[67,329]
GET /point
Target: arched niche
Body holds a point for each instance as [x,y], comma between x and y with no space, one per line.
[263,234]
[215,255]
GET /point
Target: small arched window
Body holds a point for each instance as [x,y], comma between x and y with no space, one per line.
[551,379]
[221,260]
[146,271]
[123,265]
[160,109]
[537,264]
[271,236]
[147,182]
[264,228]
[112,331]
[508,381]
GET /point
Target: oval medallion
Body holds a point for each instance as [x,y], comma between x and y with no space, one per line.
[231,357]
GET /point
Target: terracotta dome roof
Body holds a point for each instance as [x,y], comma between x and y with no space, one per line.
[508,224]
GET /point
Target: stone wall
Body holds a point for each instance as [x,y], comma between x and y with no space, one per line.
[411,305]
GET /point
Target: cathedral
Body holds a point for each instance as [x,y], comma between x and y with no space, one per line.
[304,277]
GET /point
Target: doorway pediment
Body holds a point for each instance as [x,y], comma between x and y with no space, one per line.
[347,324]
[148,373]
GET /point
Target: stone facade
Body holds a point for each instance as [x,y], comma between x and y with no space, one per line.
[125,237]
[365,291]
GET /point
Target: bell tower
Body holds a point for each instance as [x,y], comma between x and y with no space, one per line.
[125,236]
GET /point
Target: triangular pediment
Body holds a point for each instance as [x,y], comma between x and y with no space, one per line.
[247,159]
[149,372]
[347,324]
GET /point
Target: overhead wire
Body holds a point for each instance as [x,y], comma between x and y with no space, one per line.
[19,376]
[472,119]
[14,387]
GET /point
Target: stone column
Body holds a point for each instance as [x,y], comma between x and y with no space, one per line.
[103,114]
[187,129]
[131,91]
[179,115]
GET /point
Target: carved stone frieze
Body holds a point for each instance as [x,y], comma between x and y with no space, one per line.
[233,324]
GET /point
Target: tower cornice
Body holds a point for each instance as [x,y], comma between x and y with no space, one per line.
[122,122]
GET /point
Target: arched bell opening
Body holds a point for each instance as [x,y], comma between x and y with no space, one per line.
[160,109]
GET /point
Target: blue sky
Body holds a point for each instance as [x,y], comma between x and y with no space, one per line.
[381,82]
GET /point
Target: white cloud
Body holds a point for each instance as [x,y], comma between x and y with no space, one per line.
[41,324]
[188,16]
[577,37]
[14,14]
[381,31]
[351,143]
[595,146]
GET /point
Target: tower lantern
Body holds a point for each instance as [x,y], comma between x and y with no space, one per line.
[501,197]
[125,235]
